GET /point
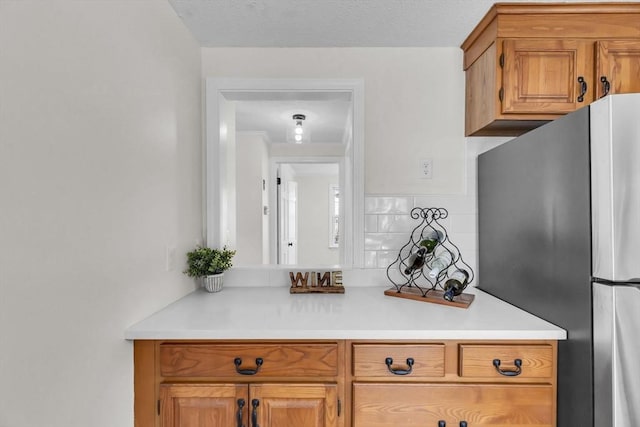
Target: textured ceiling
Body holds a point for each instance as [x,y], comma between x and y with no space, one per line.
[332,23]
[323,23]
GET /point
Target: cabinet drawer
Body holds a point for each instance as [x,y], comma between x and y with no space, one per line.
[536,361]
[419,405]
[246,360]
[370,360]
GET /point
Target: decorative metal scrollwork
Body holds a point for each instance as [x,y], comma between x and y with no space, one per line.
[403,271]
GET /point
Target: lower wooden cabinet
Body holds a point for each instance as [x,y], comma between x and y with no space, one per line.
[201,405]
[343,383]
[240,405]
[440,405]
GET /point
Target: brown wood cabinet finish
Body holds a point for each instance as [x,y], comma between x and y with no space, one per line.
[427,359]
[419,405]
[200,405]
[283,405]
[205,360]
[178,384]
[545,76]
[476,360]
[526,64]
[617,67]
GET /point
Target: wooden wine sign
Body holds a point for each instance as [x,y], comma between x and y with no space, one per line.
[308,282]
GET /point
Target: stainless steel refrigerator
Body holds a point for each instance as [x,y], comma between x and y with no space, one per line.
[559,236]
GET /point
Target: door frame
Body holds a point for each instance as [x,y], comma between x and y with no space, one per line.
[274,162]
[353,246]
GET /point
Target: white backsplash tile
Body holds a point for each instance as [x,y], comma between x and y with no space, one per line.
[370,223]
[464,223]
[384,241]
[370,259]
[386,258]
[387,205]
[393,228]
[454,204]
[466,241]
[396,223]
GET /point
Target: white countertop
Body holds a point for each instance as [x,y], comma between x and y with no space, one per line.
[359,313]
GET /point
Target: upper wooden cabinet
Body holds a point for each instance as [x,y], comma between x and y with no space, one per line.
[526,64]
[617,66]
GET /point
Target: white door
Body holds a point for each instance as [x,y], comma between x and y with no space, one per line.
[288,216]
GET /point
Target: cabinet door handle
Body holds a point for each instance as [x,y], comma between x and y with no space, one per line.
[238,361]
[389,361]
[509,373]
[583,88]
[241,403]
[254,413]
[606,86]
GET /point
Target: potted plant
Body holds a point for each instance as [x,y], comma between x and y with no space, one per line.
[209,264]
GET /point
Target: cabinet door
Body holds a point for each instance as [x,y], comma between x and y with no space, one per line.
[546,76]
[618,66]
[293,405]
[425,405]
[204,405]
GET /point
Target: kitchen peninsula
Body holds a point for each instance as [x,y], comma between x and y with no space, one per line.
[262,356]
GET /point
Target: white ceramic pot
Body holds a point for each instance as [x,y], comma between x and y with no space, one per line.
[213,283]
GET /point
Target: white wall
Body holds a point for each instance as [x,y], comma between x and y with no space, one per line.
[313,220]
[228,152]
[414,109]
[251,170]
[414,105]
[100,172]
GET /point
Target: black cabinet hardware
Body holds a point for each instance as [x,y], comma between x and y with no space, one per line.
[238,361]
[241,403]
[606,86]
[254,413]
[583,88]
[508,373]
[389,361]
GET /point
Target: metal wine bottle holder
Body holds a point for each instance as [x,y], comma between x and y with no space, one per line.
[417,284]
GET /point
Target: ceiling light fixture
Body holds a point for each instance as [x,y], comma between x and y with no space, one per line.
[298,131]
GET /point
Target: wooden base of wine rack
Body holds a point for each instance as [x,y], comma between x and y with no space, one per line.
[434,296]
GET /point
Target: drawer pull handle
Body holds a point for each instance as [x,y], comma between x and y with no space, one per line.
[239,413]
[238,361]
[463,424]
[389,361]
[442,423]
[509,373]
[254,414]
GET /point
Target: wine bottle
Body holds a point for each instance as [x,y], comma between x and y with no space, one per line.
[431,240]
[455,284]
[439,263]
[416,261]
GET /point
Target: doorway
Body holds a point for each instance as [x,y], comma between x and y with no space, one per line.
[308,213]
[220,218]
